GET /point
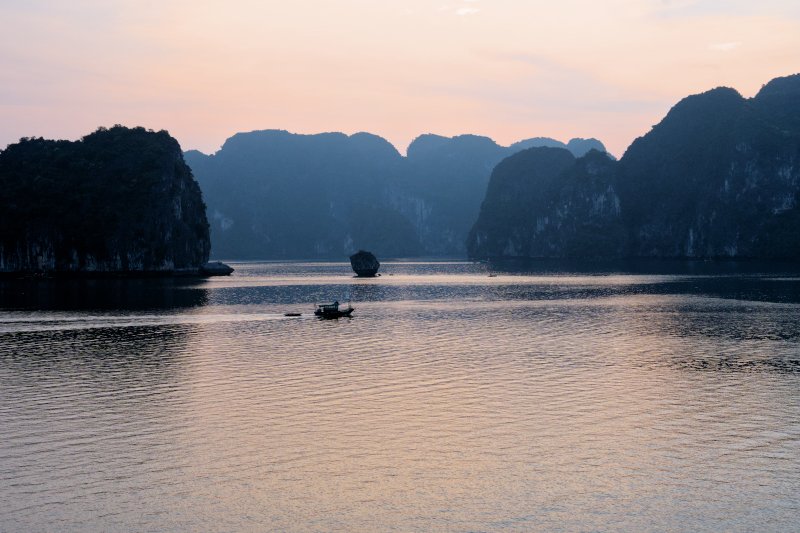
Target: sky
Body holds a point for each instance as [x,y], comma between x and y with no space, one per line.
[507,69]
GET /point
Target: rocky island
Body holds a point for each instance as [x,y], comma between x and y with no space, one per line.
[718,177]
[364,264]
[120,201]
[272,194]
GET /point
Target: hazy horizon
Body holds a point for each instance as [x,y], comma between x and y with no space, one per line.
[506,70]
[537,340]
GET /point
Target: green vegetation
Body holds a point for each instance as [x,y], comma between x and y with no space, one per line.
[276,195]
[542,202]
[718,177]
[119,199]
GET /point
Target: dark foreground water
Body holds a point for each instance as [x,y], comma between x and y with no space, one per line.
[452,401]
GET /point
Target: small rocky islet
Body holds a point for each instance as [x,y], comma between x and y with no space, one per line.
[365,264]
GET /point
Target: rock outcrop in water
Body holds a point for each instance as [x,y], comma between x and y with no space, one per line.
[118,201]
[719,176]
[364,264]
[446,179]
[542,202]
[216,268]
[277,195]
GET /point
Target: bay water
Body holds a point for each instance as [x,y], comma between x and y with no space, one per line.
[460,397]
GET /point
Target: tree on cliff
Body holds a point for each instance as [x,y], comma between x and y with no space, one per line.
[717,177]
[120,199]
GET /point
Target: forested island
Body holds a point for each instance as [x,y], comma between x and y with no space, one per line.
[718,177]
[277,195]
[120,201]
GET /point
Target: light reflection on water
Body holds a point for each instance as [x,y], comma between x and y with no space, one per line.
[452,401]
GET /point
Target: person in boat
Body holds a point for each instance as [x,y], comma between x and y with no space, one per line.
[332,310]
[329,308]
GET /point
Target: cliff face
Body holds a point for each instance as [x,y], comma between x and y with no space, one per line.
[276,195]
[542,202]
[118,201]
[719,176]
[273,194]
[445,180]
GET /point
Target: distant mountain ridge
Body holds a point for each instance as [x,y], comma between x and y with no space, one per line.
[719,176]
[272,194]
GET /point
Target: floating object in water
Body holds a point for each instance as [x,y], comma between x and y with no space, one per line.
[364,264]
[333,311]
[292,314]
[216,268]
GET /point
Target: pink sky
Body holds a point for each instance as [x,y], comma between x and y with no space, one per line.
[508,69]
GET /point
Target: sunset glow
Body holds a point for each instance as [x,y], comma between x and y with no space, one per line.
[508,69]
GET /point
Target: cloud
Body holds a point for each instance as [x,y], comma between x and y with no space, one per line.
[726,8]
[464,11]
[544,88]
[724,47]
[467,8]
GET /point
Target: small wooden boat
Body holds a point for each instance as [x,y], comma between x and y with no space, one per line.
[292,314]
[333,311]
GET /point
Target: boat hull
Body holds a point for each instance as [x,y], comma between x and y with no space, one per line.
[334,314]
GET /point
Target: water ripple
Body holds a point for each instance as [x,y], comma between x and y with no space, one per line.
[451,402]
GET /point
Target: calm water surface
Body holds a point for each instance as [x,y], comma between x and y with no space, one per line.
[452,401]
